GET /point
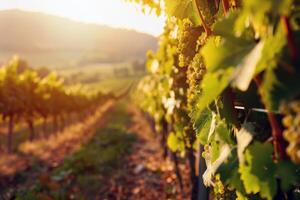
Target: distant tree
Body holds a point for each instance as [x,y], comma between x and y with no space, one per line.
[29,94]
[138,66]
[11,103]
[29,82]
[43,72]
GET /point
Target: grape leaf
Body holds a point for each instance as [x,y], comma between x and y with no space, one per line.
[222,133]
[261,13]
[288,173]
[214,151]
[269,83]
[258,171]
[202,121]
[230,49]
[261,8]
[223,27]
[273,46]
[182,9]
[278,85]
[239,53]
[245,71]
[212,86]
[229,173]
[227,53]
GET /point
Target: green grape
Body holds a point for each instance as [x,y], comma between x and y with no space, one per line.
[187,42]
[295,106]
[219,189]
[205,153]
[221,192]
[195,73]
[219,184]
[287,121]
[291,121]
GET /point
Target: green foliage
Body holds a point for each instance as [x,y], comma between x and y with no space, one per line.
[215,51]
[230,175]
[202,122]
[228,54]
[258,172]
[185,9]
[288,173]
[212,86]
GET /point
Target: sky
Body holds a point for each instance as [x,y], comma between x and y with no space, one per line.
[115,13]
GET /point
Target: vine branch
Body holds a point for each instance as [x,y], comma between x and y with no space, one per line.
[225,4]
[290,38]
[276,129]
[204,24]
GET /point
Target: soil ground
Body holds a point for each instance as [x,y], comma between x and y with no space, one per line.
[119,157]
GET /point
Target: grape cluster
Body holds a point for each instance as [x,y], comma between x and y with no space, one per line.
[187,42]
[219,188]
[195,73]
[197,69]
[221,192]
[291,121]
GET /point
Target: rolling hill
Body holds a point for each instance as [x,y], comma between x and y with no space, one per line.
[59,42]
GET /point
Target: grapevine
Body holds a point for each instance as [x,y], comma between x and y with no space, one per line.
[187,42]
[231,71]
[28,96]
[292,123]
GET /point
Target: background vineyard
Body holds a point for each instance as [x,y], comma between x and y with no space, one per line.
[30,97]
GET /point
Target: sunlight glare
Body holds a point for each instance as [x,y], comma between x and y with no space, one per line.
[115,13]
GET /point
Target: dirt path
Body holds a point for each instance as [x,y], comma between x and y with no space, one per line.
[142,173]
[145,175]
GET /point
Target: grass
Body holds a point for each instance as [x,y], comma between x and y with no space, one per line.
[98,68]
[83,173]
[114,85]
[102,77]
